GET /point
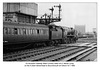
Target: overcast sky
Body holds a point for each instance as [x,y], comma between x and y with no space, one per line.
[73,14]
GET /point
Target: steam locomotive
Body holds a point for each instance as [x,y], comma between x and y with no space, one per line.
[41,33]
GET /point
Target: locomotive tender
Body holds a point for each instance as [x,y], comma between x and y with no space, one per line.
[15,32]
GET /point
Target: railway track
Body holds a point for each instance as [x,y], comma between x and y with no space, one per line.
[80,55]
[70,52]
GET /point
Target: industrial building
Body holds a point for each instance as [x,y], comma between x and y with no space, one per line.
[80,28]
[20,12]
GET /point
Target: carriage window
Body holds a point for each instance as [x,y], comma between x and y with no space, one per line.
[5,30]
[19,31]
[9,30]
[32,31]
[24,31]
[41,31]
[37,31]
[15,31]
[12,31]
[28,31]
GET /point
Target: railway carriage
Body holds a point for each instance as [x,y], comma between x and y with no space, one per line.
[21,33]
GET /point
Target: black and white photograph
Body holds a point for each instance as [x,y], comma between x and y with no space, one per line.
[50,31]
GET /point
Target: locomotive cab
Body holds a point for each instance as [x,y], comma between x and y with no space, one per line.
[55,34]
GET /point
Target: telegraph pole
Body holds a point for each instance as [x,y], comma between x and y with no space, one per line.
[59,6]
[52,9]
